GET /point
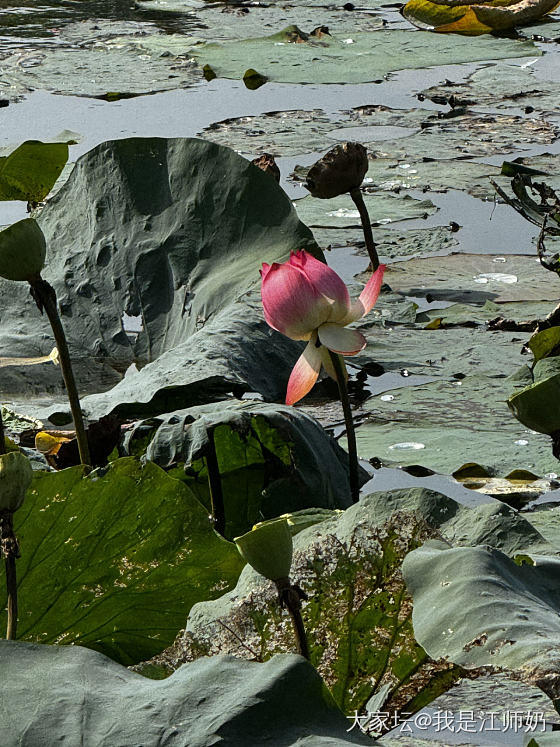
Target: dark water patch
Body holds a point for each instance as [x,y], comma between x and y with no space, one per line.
[29,23]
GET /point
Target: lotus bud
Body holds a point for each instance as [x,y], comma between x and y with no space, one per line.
[340,170]
[15,477]
[22,250]
[268,548]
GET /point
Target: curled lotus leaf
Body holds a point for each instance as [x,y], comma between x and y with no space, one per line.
[472,18]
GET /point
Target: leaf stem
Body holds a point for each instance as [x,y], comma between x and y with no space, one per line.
[2,434]
[340,370]
[45,298]
[215,485]
[10,549]
[356,195]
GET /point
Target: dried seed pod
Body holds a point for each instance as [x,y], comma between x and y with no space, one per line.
[268,548]
[340,170]
[267,164]
[15,477]
[22,250]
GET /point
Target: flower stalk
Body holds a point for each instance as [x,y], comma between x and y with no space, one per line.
[45,298]
[356,195]
[341,378]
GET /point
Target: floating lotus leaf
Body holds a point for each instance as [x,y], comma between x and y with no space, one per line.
[474,18]
[369,57]
[502,86]
[474,278]
[446,424]
[96,70]
[341,212]
[102,556]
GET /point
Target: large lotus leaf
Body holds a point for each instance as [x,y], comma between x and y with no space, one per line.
[478,608]
[502,86]
[114,561]
[341,212]
[473,278]
[71,696]
[235,352]
[30,171]
[340,562]
[370,56]
[272,459]
[538,405]
[358,615]
[444,425]
[198,221]
[475,18]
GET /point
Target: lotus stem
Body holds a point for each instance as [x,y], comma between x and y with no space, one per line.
[215,485]
[45,298]
[340,370]
[2,434]
[356,195]
[290,596]
[10,549]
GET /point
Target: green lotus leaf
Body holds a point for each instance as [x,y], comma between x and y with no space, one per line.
[75,696]
[272,459]
[538,405]
[114,561]
[200,220]
[545,343]
[31,170]
[368,57]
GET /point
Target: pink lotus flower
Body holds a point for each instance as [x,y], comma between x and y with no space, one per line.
[306,300]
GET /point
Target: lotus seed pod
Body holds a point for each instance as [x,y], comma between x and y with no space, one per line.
[340,170]
[22,250]
[15,477]
[268,548]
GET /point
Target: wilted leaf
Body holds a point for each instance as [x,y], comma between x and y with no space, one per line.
[475,18]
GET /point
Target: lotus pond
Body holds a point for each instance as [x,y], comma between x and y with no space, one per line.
[438,592]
